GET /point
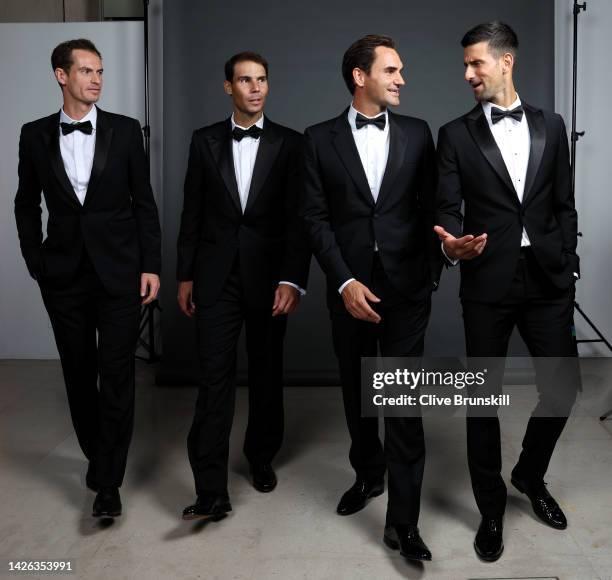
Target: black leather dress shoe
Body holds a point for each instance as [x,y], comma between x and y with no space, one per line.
[407,540]
[489,542]
[263,477]
[208,507]
[544,504]
[107,503]
[355,498]
[90,478]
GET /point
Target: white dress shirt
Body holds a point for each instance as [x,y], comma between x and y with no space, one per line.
[373,148]
[514,142]
[77,151]
[244,153]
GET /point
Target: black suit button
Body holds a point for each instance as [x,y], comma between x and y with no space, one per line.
[375,215]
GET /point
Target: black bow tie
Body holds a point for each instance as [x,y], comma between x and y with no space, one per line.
[499,114]
[380,121]
[85,127]
[239,134]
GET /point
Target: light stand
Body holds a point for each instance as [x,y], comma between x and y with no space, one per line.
[575,135]
[147,314]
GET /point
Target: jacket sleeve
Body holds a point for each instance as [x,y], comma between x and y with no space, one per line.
[145,209]
[27,207]
[427,201]
[296,264]
[563,200]
[315,213]
[192,214]
[450,196]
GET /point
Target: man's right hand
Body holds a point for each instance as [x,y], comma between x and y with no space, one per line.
[356,297]
[185,298]
[464,248]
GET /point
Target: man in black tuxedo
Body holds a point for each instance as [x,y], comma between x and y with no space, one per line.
[100,260]
[368,201]
[508,162]
[242,258]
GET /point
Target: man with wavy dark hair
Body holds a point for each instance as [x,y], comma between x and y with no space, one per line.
[368,205]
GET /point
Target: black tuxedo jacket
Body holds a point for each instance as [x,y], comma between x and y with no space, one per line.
[267,237]
[343,221]
[117,225]
[472,170]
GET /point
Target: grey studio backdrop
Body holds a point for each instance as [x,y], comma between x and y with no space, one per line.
[304,43]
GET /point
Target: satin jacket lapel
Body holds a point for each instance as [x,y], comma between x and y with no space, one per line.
[51,137]
[104,136]
[537,134]
[270,144]
[221,149]
[347,150]
[397,147]
[481,133]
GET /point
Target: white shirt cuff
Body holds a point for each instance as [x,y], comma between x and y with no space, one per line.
[300,290]
[453,262]
[345,285]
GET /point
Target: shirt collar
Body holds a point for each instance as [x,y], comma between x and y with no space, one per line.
[487,105]
[92,117]
[259,123]
[352,115]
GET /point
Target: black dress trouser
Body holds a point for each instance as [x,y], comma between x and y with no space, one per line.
[218,329]
[543,315]
[400,333]
[96,333]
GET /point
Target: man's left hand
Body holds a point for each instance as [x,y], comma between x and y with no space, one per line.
[286,299]
[149,287]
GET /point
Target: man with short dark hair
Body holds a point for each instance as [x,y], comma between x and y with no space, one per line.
[508,162]
[246,56]
[100,260]
[242,259]
[368,205]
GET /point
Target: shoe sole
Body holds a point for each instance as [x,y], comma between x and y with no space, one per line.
[106,514]
[553,526]
[492,558]
[372,495]
[395,546]
[212,517]
[521,489]
[263,489]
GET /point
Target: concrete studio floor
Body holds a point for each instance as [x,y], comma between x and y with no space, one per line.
[45,509]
